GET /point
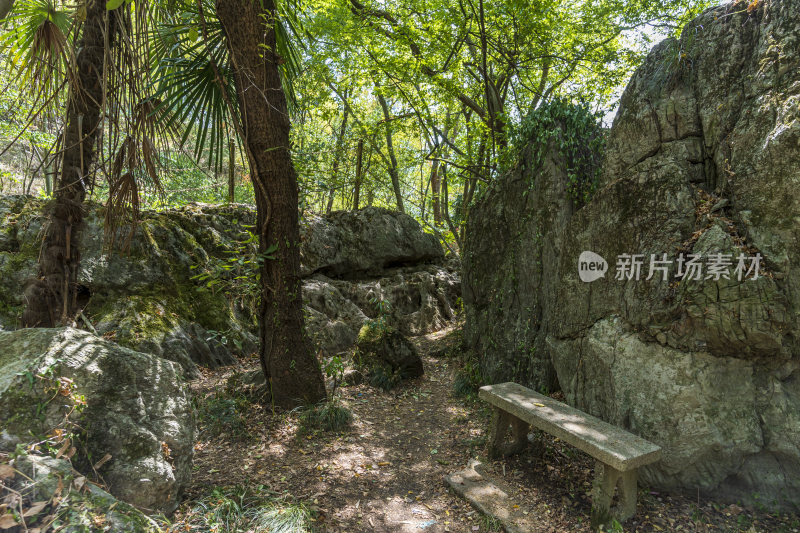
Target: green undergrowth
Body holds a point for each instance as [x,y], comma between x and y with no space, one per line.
[468,378]
[86,512]
[372,337]
[223,413]
[243,509]
[382,376]
[327,416]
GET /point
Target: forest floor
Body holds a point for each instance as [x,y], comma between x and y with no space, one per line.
[385,473]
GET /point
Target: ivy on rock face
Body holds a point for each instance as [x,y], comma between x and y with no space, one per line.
[579,136]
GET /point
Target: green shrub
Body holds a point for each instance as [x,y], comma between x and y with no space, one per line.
[328,416]
[468,380]
[382,376]
[578,136]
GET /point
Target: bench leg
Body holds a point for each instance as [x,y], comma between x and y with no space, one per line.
[498,447]
[607,479]
[627,495]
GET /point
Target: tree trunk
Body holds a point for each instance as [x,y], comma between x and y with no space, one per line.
[337,156]
[393,172]
[5,8]
[436,181]
[357,185]
[287,359]
[51,298]
[231,171]
[446,210]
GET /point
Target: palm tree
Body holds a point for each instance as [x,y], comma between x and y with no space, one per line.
[286,356]
[87,58]
[39,32]
[234,74]
[227,84]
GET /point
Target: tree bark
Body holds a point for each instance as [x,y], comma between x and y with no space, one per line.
[337,156]
[51,297]
[357,185]
[393,172]
[231,171]
[446,210]
[5,8]
[436,181]
[292,371]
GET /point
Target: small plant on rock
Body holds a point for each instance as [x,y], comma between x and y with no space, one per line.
[384,308]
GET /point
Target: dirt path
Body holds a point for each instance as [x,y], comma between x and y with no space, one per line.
[385,473]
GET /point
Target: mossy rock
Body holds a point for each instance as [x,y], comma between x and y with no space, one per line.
[386,355]
[80,506]
[109,400]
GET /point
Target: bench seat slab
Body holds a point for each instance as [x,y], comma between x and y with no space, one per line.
[609,444]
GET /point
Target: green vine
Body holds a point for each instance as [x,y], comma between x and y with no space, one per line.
[579,137]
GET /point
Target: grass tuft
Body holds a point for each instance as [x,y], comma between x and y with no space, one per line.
[384,378]
[328,416]
[243,509]
[221,413]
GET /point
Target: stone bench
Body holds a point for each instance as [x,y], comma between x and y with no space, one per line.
[618,453]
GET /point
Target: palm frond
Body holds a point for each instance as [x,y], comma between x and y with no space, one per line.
[35,42]
[193,101]
[196,86]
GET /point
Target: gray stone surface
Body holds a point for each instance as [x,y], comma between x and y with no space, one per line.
[147,300]
[79,503]
[493,497]
[136,409]
[607,443]
[386,355]
[364,242]
[703,157]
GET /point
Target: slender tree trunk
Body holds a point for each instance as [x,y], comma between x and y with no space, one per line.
[51,298]
[5,8]
[393,172]
[436,181]
[357,185]
[446,209]
[336,159]
[231,171]
[287,359]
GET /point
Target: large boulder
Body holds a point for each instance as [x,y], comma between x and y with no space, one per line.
[703,158]
[364,242]
[48,487]
[126,412]
[415,300]
[184,289]
[143,296]
[386,356]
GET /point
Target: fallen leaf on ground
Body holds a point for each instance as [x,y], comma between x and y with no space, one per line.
[34,509]
[7,521]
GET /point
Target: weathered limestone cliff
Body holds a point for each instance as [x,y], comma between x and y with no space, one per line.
[703,158]
[185,289]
